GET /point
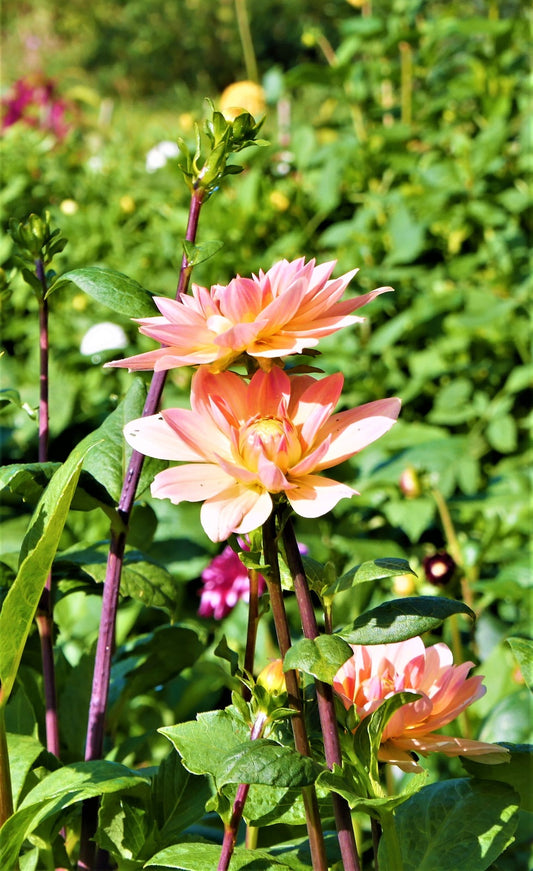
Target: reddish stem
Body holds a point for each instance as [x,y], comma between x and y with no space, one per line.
[326,706]
[312,814]
[102,667]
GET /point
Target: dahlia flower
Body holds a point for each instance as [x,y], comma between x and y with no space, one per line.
[225,582]
[282,311]
[376,672]
[243,442]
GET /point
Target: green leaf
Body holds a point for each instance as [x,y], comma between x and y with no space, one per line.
[23,750]
[367,738]
[113,289]
[199,741]
[322,657]
[192,856]
[518,772]
[198,253]
[124,826]
[523,651]
[454,824]
[371,570]
[267,763]
[178,798]
[108,463]
[37,553]
[401,619]
[28,480]
[57,791]
[338,780]
[12,396]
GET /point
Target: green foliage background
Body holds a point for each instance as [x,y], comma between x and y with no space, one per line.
[408,154]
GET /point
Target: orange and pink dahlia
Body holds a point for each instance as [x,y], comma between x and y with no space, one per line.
[376,672]
[242,443]
[282,311]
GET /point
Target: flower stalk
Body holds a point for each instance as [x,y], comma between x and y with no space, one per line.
[326,706]
[272,577]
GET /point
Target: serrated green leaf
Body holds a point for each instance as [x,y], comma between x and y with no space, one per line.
[199,741]
[267,763]
[37,553]
[113,289]
[192,856]
[57,791]
[322,657]
[401,619]
[454,824]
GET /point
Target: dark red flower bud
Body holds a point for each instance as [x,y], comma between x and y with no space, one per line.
[439,568]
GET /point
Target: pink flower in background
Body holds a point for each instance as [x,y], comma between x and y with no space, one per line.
[243,442]
[34,101]
[376,672]
[282,311]
[225,582]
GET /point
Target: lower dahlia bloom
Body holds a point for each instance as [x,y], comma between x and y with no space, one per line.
[243,442]
[225,582]
[376,672]
[279,312]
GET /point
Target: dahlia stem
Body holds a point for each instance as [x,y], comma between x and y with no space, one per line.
[312,814]
[231,830]
[251,631]
[243,23]
[392,843]
[44,617]
[104,650]
[326,706]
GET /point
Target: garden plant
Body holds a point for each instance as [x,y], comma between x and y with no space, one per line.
[264,568]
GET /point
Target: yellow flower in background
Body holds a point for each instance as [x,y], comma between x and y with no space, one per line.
[242,97]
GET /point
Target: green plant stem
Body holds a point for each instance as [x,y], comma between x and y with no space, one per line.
[326,706]
[6,794]
[452,544]
[392,843]
[106,638]
[272,577]
[406,72]
[251,631]
[245,34]
[45,617]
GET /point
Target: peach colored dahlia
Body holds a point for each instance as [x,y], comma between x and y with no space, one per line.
[242,442]
[279,312]
[376,672]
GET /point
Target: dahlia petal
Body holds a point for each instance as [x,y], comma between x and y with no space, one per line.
[240,300]
[237,509]
[198,432]
[355,429]
[315,405]
[451,746]
[153,437]
[193,482]
[314,496]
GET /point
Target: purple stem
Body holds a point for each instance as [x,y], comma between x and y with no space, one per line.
[312,814]
[326,706]
[44,616]
[231,830]
[104,650]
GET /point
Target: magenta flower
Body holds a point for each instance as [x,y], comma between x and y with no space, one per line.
[225,582]
[279,312]
[242,443]
[376,672]
[34,101]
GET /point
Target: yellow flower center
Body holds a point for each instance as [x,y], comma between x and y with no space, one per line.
[273,438]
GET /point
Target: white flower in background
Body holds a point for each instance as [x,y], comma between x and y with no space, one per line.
[105,336]
[159,154]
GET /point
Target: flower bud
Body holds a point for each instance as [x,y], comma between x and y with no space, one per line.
[409,483]
[439,568]
[272,678]
[404,585]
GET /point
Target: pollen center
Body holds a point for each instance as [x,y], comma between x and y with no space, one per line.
[272,438]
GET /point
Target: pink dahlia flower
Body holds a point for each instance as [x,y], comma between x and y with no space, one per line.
[282,311]
[376,672]
[225,582]
[243,442]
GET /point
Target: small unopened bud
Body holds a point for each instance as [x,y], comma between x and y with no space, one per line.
[272,679]
[439,568]
[404,585]
[409,483]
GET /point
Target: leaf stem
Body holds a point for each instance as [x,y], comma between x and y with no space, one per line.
[104,650]
[312,815]
[392,844]
[326,705]
[243,23]
[251,631]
